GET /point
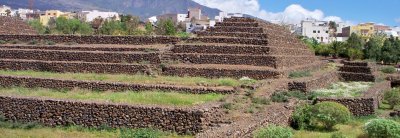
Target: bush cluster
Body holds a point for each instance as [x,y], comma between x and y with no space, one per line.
[388,70]
[323,115]
[392,97]
[299,74]
[284,96]
[382,128]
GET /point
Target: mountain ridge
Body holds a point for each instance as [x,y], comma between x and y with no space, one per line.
[142,8]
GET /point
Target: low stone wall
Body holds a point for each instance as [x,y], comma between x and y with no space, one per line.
[93,39]
[221,72]
[30,82]
[86,56]
[356,69]
[285,62]
[226,59]
[240,24]
[357,106]
[75,67]
[81,48]
[236,29]
[365,105]
[347,76]
[394,80]
[232,49]
[395,113]
[63,113]
[312,83]
[355,63]
[229,40]
[233,34]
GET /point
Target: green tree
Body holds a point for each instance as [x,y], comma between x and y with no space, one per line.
[149,28]
[37,25]
[355,47]
[336,48]
[72,26]
[8,12]
[373,47]
[130,24]
[112,28]
[166,27]
[389,52]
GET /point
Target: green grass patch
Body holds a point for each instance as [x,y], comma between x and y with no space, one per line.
[129,97]
[299,74]
[137,78]
[388,70]
[344,89]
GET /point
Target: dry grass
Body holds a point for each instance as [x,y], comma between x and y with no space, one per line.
[138,78]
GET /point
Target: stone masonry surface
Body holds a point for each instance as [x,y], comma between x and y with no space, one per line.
[59,112]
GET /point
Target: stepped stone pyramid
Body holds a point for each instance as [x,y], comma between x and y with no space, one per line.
[239,47]
[358,71]
[14,26]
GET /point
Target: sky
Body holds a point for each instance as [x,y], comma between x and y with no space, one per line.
[293,11]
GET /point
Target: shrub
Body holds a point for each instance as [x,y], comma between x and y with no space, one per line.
[50,43]
[382,128]
[388,70]
[329,114]
[140,133]
[299,74]
[247,81]
[301,117]
[33,42]
[16,41]
[3,42]
[279,97]
[228,106]
[273,131]
[257,100]
[392,97]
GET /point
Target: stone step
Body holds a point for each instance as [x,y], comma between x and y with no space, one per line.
[229,40]
[120,48]
[72,66]
[84,56]
[220,71]
[233,34]
[349,76]
[273,61]
[357,69]
[239,20]
[236,29]
[211,48]
[240,24]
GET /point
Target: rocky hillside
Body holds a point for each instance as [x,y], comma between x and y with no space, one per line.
[142,8]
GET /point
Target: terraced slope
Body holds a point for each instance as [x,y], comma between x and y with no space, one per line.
[240,47]
[9,25]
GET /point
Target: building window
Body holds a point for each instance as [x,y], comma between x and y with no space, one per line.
[327,31]
[319,31]
[49,14]
[317,37]
[314,31]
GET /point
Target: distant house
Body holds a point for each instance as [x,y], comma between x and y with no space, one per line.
[49,15]
[319,30]
[89,16]
[22,13]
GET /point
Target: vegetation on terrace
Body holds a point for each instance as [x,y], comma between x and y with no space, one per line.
[127,97]
[138,78]
[344,89]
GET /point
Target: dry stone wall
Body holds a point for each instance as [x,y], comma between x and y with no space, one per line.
[75,67]
[6,81]
[11,25]
[236,29]
[133,40]
[233,34]
[357,71]
[59,112]
[220,72]
[82,48]
[86,56]
[239,24]
[312,83]
[229,40]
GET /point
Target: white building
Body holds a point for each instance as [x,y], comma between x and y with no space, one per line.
[182,18]
[390,33]
[91,15]
[318,30]
[223,15]
[4,9]
[22,13]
